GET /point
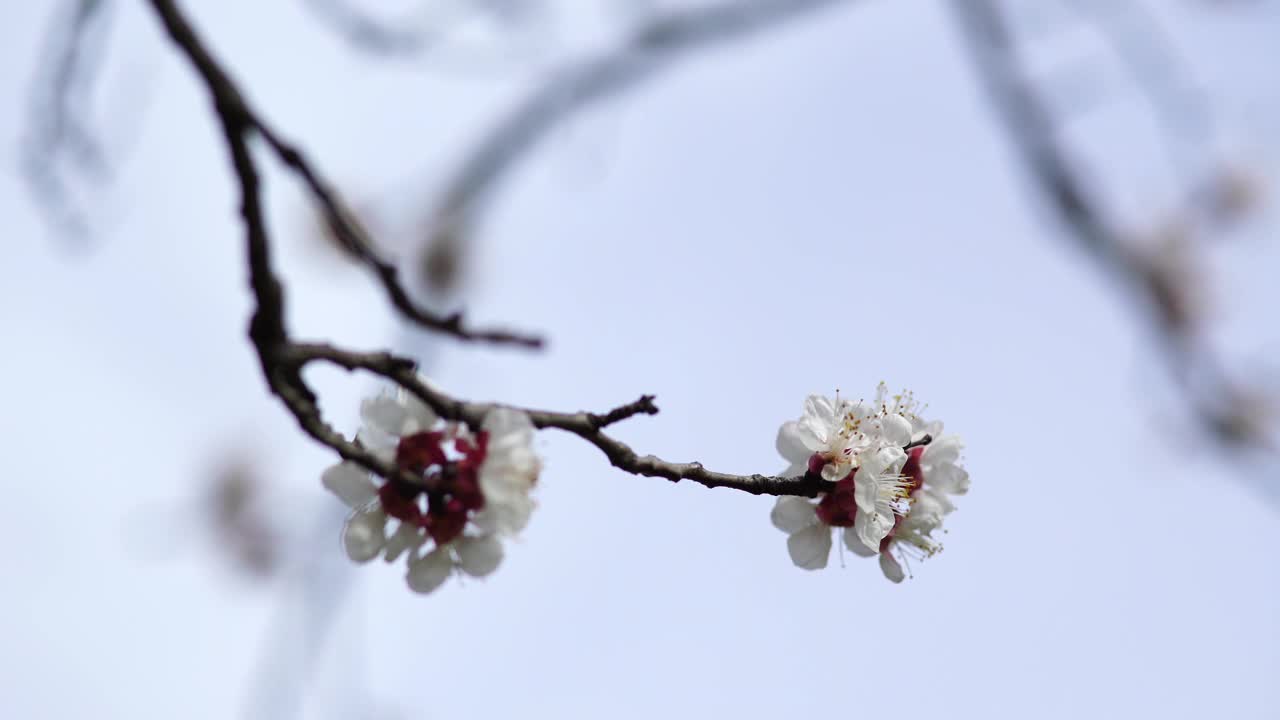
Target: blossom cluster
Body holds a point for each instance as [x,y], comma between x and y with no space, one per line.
[459,491]
[469,490]
[893,475]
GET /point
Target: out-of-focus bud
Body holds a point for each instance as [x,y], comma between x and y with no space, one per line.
[443,256]
[240,528]
[1173,277]
[327,243]
[1235,191]
[1246,418]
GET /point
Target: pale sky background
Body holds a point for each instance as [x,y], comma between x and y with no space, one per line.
[731,238]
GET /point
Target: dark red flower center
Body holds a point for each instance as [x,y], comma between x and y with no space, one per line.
[911,470]
[839,506]
[449,492]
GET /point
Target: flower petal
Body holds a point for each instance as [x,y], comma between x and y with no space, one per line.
[504,514]
[511,466]
[921,427]
[835,471]
[945,449]
[479,556]
[945,506]
[932,428]
[793,514]
[417,415]
[856,546]
[872,527]
[351,483]
[891,568]
[385,454]
[384,412]
[927,510]
[866,490]
[791,445]
[430,571]
[820,407]
[885,460]
[406,537]
[502,421]
[896,429]
[375,440]
[862,409]
[951,479]
[378,443]
[365,534]
[509,470]
[818,425]
[810,547]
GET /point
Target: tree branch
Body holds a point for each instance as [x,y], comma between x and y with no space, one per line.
[588,426]
[1214,399]
[368,33]
[576,87]
[240,120]
[283,359]
[356,240]
[58,130]
[643,406]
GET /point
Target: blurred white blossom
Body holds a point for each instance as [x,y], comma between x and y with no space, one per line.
[474,489]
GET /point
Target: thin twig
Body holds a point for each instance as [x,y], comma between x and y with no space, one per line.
[284,359]
[643,406]
[356,240]
[367,33]
[1033,130]
[650,49]
[1156,68]
[585,425]
[240,120]
[59,126]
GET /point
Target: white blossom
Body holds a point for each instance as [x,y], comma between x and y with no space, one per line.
[808,538]
[475,489]
[937,476]
[881,493]
[891,489]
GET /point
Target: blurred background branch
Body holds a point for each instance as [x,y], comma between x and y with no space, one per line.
[61,148]
[364,31]
[1162,276]
[424,29]
[654,46]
